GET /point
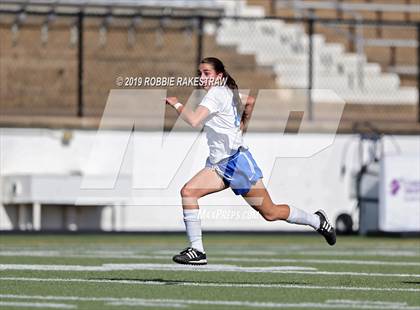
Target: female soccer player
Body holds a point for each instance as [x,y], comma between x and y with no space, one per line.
[230,164]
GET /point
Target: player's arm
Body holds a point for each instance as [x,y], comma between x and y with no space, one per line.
[193,118]
[246,114]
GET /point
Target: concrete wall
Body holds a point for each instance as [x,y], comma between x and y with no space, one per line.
[301,170]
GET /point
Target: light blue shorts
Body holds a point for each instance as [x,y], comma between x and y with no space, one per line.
[238,171]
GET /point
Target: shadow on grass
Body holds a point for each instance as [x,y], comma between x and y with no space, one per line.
[411,282]
[175,282]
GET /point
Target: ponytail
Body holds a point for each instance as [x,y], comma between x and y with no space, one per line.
[230,82]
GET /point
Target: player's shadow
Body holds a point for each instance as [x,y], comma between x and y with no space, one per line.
[175,282]
[411,282]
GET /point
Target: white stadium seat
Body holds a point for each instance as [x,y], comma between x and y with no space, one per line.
[284,47]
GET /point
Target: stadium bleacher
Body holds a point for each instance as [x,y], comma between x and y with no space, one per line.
[378,81]
[358,77]
[394,49]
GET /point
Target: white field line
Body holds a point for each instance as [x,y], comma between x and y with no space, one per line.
[179,302]
[163,267]
[361,253]
[365,274]
[367,304]
[364,302]
[320,261]
[206,268]
[391,252]
[287,305]
[213,284]
[327,252]
[147,304]
[35,305]
[215,258]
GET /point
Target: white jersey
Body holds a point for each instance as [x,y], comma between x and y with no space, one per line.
[222,126]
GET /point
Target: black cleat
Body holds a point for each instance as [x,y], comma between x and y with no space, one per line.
[190,256]
[325,228]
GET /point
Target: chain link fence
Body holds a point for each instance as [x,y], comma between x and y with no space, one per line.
[66,64]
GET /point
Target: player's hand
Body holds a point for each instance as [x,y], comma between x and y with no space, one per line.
[171,100]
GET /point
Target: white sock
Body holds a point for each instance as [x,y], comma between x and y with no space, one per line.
[298,216]
[193,225]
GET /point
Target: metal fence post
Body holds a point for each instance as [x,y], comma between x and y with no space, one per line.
[418,72]
[200,32]
[273,7]
[80,65]
[310,66]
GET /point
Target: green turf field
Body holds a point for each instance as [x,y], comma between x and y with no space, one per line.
[244,272]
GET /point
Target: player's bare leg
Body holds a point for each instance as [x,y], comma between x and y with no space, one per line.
[259,198]
[205,182]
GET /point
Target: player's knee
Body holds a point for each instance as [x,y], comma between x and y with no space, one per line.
[269,216]
[188,192]
[185,191]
